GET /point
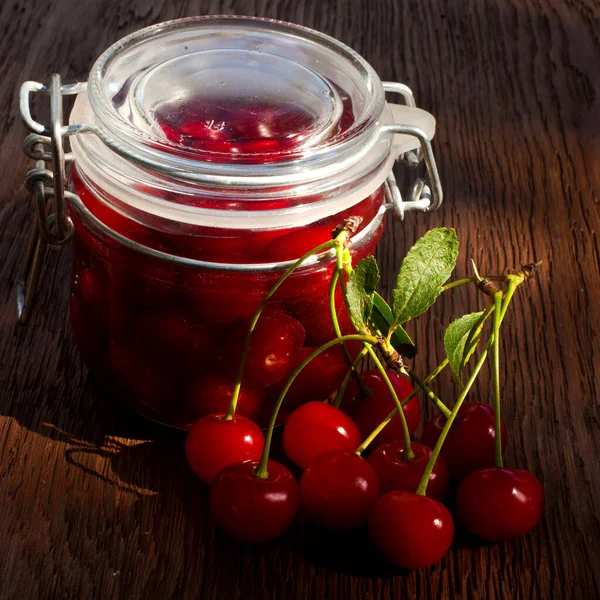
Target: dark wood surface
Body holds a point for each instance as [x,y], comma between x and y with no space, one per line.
[96,505]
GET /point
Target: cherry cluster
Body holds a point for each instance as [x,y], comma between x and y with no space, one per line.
[400,488]
[340,490]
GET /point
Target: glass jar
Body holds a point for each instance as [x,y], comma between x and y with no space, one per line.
[208,155]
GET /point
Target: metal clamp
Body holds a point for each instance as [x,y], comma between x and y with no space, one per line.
[423,197]
[51,225]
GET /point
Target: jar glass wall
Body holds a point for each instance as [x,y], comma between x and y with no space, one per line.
[166,339]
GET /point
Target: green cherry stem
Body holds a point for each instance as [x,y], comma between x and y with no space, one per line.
[496,370]
[344,265]
[473,340]
[367,441]
[340,239]
[436,371]
[429,393]
[422,488]
[501,301]
[342,389]
[261,470]
[334,318]
[473,337]
[407,453]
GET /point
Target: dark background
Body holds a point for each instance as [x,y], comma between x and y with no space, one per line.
[94,505]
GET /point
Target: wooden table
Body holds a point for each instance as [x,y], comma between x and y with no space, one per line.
[96,505]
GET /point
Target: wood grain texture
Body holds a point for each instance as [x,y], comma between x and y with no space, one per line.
[96,505]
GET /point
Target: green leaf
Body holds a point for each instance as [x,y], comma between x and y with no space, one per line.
[425,269]
[361,290]
[382,318]
[455,340]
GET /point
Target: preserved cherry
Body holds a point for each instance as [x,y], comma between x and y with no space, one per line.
[168,337]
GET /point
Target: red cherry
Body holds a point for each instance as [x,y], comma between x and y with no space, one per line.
[275,339]
[120,258]
[202,244]
[89,311]
[316,428]
[338,489]
[371,411]
[411,531]
[107,214]
[499,504]
[147,382]
[396,473]
[315,315]
[211,394]
[173,336]
[304,285]
[297,243]
[141,281]
[89,284]
[86,244]
[213,443]
[90,340]
[222,305]
[251,509]
[135,283]
[319,378]
[470,443]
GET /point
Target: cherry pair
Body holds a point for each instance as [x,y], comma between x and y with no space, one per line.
[225,453]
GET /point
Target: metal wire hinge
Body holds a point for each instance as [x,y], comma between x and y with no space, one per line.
[51,224]
[424,196]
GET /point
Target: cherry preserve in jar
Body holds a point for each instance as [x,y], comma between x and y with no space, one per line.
[207,155]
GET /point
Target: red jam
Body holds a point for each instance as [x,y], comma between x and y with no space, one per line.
[164,337]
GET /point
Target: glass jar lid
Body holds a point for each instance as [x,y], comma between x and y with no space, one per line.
[219,121]
[232,105]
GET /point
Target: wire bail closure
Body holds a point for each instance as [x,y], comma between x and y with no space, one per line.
[424,197]
[52,225]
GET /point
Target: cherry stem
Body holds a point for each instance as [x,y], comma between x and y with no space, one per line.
[473,279]
[501,301]
[367,441]
[436,371]
[344,265]
[340,239]
[261,470]
[407,452]
[336,324]
[497,413]
[422,488]
[473,337]
[429,393]
[473,341]
[342,389]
